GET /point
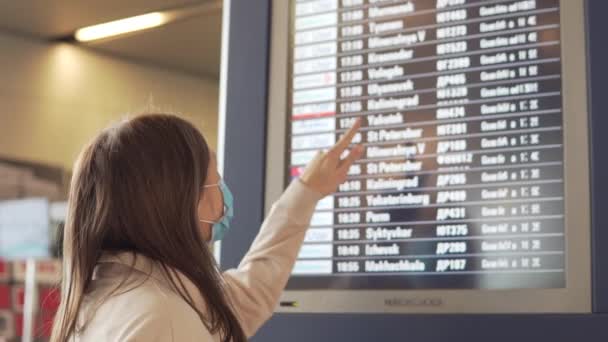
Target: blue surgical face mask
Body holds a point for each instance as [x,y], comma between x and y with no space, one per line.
[221,226]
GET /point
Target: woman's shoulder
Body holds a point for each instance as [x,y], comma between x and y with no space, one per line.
[138,307]
[147,312]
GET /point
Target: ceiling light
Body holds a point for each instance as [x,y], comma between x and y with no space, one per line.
[114,28]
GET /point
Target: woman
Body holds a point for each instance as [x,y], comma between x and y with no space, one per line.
[144,202]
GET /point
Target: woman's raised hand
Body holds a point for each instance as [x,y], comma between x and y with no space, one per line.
[327,170]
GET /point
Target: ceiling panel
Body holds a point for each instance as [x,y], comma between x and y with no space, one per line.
[50,19]
[190,44]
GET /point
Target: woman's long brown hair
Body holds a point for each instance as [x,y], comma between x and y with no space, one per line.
[136,188]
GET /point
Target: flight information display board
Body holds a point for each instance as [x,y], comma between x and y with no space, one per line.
[461,183]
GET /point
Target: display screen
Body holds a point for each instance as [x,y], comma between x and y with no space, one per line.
[461,183]
[24,228]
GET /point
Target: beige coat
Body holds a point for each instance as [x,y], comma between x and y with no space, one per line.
[149,310]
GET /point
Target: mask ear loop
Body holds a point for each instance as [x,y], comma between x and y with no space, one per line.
[224,210]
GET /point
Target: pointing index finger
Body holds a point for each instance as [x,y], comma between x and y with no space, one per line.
[346,139]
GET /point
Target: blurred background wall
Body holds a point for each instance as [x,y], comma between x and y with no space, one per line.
[57,92]
[55,96]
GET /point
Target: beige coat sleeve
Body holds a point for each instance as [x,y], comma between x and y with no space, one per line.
[256,285]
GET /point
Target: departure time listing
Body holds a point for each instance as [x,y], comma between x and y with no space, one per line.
[461,182]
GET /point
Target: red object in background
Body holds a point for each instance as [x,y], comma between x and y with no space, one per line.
[42,328]
[5,297]
[18,297]
[49,299]
[45,326]
[4,271]
[19,325]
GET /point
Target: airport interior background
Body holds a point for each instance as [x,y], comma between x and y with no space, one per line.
[58,92]
[475,214]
